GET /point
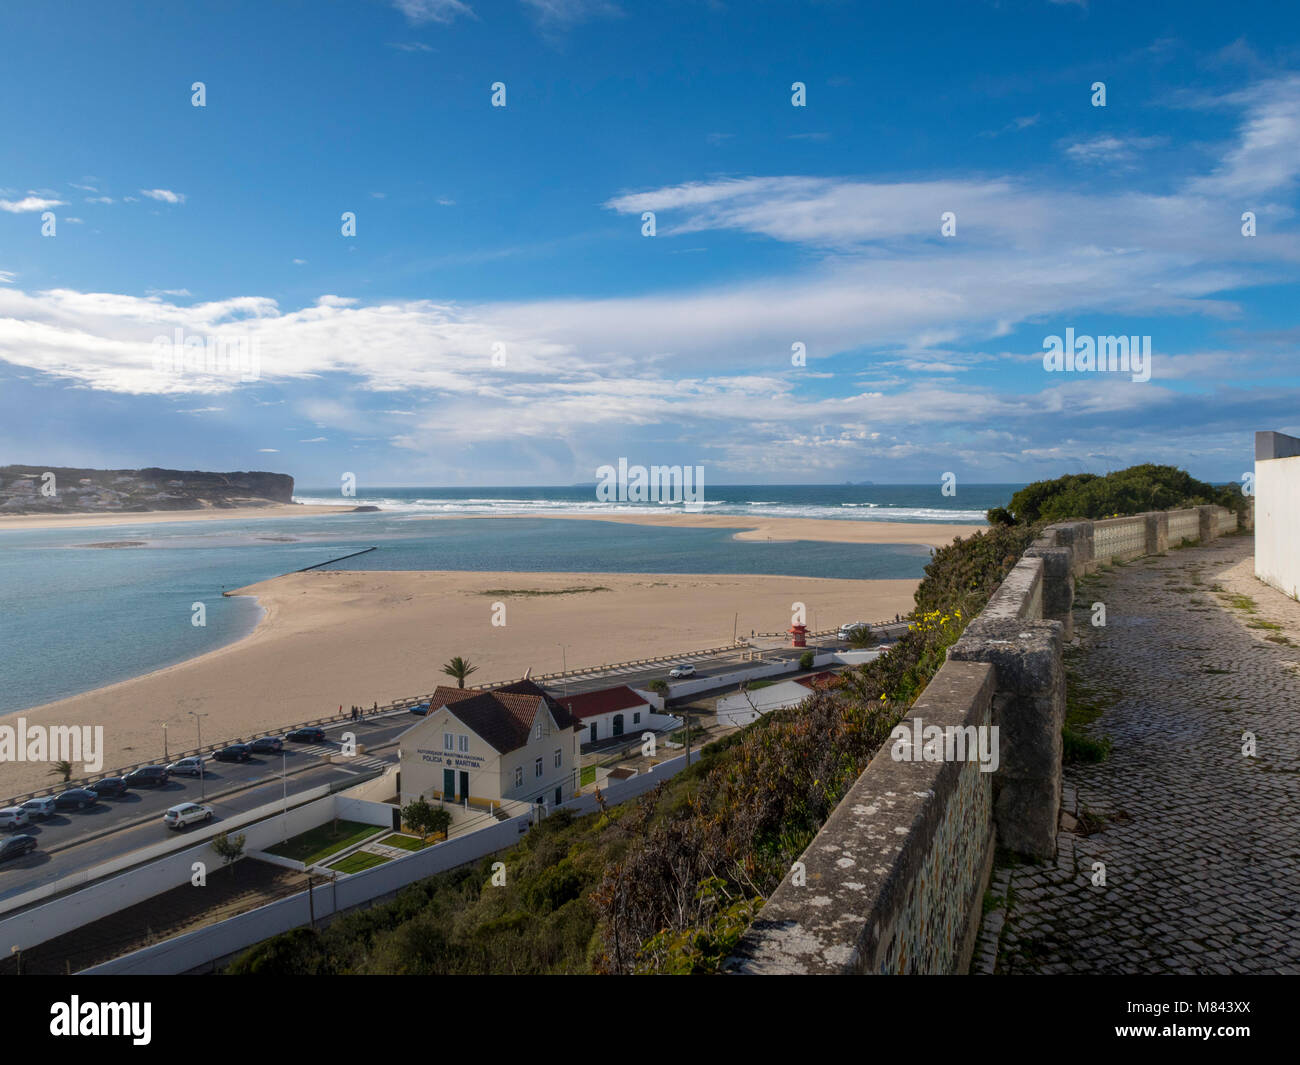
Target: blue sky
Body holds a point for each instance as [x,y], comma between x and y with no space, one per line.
[498,316]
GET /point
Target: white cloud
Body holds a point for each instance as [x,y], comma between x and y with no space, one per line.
[269,450]
[164,195]
[1109,150]
[29,203]
[433,10]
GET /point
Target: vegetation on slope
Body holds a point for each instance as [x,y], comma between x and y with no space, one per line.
[670,882]
[1132,491]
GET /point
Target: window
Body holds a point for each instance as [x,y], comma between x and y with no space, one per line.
[519,776]
[464,744]
[636,718]
[448,741]
[537,768]
[559,757]
[537,731]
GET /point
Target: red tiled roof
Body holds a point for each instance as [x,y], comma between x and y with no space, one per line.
[605,701]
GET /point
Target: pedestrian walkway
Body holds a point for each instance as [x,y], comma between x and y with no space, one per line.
[1199,843]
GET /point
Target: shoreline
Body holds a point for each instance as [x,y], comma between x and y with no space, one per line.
[331,637]
[92,519]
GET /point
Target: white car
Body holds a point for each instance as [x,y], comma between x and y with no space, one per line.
[13,817]
[846,631]
[684,670]
[186,814]
[39,809]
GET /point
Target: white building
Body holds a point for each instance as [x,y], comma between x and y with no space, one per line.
[513,742]
[611,712]
[1277,511]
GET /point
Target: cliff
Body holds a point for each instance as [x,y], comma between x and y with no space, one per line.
[65,490]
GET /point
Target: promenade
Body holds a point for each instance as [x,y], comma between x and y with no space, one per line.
[1200,843]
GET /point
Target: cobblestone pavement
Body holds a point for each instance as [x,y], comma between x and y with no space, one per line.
[1200,844]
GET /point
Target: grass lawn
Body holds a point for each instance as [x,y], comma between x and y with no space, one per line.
[407,843]
[588,775]
[358,860]
[323,840]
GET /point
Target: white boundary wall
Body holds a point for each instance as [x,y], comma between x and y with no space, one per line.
[1277,521]
[109,894]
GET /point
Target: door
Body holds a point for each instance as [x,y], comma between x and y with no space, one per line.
[593,732]
[618,724]
[449,784]
[558,798]
[464,785]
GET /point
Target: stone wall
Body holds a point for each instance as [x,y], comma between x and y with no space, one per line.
[894,881]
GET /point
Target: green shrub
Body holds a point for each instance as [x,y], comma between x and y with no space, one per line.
[1130,491]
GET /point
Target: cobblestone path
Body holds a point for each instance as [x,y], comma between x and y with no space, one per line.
[1201,844]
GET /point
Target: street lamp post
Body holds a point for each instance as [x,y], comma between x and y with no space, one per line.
[564,667]
[284,779]
[198,721]
[166,756]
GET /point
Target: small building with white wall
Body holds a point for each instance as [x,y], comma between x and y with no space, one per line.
[610,712]
[1277,511]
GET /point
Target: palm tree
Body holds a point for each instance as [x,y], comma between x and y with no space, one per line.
[62,769]
[460,669]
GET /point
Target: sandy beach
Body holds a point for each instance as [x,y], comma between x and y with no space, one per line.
[828,530]
[344,637]
[153,517]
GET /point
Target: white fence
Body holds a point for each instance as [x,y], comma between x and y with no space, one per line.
[108,893]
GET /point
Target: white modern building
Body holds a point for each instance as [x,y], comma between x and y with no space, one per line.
[1277,511]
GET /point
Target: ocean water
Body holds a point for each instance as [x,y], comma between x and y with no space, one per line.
[74,617]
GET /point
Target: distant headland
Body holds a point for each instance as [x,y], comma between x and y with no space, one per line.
[67,490]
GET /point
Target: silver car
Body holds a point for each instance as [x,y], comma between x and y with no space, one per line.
[39,809]
[12,817]
[192,766]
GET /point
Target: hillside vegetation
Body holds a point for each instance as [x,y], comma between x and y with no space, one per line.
[1132,491]
[667,883]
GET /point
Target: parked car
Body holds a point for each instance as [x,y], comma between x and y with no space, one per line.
[17,846]
[684,670]
[267,745]
[190,767]
[846,630]
[307,735]
[236,752]
[420,708]
[13,817]
[185,814]
[147,776]
[75,799]
[40,809]
[109,787]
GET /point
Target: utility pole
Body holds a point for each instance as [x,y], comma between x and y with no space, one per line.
[735,620]
[564,668]
[166,756]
